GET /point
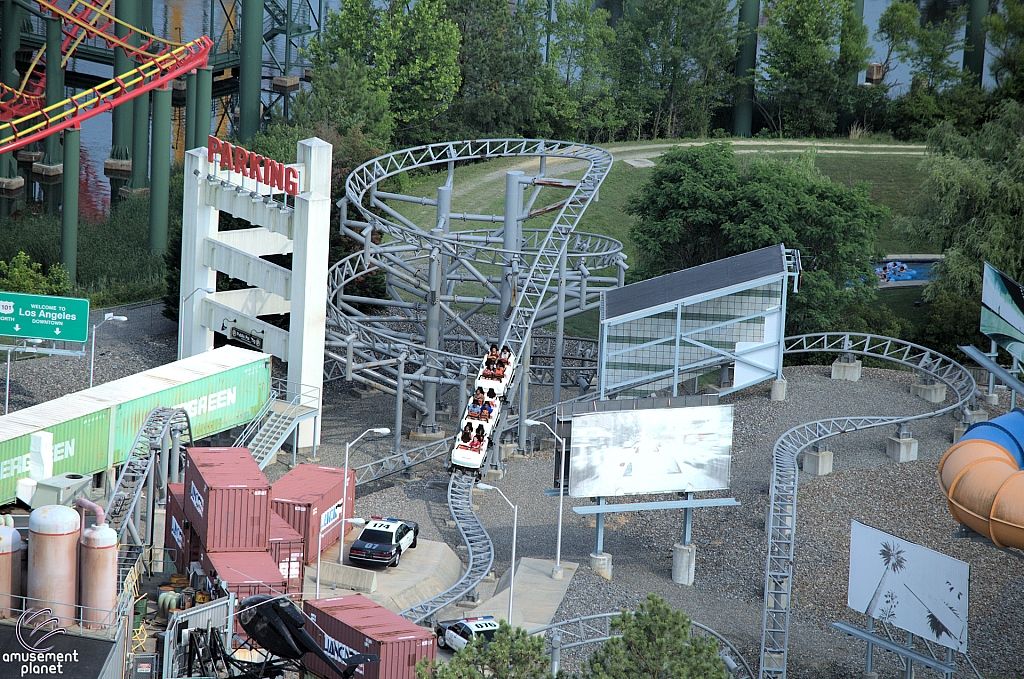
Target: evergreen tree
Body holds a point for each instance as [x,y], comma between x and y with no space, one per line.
[512,654]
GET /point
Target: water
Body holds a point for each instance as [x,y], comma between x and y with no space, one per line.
[915,271]
[185,20]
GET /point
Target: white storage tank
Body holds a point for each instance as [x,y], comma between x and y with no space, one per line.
[53,561]
[99,576]
[10,572]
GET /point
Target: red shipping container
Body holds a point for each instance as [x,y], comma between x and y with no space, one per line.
[353,624]
[286,548]
[178,529]
[228,500]
[244,573]
[310,490]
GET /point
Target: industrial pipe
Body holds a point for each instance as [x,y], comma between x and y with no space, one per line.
[91,506]
[982,479]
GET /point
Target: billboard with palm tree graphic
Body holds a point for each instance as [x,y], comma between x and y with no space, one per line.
[908,586]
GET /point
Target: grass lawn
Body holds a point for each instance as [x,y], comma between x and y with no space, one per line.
[907,304]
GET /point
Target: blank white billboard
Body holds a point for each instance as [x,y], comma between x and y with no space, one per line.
[632,452]
[909,586]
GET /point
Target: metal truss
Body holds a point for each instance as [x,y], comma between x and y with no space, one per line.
[139,474]
[597,629]
[403,460]
[782,521]
[478,544]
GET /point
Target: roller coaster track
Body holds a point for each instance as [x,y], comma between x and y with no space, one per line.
[139,474]
[159,62]
[365,348]
[782,521]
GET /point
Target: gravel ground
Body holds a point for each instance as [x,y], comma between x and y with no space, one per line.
[899,498]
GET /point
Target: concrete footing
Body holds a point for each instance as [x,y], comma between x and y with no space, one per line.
[29,157]
[901,449]
[817,462]
[119,168]
[12,184]
[48,170]
[507,450]
[684,561]
[975,416]
[849,371]
[779,390]
[419,435]
[992,399]
[933,393]
[494,475]
[602,564]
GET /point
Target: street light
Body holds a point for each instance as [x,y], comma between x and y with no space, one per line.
[383,431]
[92,353]
[341,547]
[515,526]
[556,572]
[181,315]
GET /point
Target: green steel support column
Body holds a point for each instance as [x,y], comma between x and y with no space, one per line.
[54,85]
[204,105]
[746,61]
[159,192]
[190,112]
[69,214]
[250,69]
[10,43]
[140,142]
[974,40]
[121,116]
[140,106]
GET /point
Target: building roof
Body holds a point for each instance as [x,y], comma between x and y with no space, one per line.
[697,280]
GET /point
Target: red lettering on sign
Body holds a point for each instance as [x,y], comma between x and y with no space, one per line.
[253,166]
[291,181]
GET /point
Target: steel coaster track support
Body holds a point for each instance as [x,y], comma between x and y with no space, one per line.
[478,544]
[782,520]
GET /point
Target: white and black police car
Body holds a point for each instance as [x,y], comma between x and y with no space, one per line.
[457,634]
[383,541]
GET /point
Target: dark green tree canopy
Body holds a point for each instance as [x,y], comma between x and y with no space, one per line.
[701,204]
[513,654]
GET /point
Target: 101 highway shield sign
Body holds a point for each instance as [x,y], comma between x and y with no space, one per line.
[62,319]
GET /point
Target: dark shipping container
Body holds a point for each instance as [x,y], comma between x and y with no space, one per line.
[308,498]
[354,624]
[286,549]
[227,500]
[178,530]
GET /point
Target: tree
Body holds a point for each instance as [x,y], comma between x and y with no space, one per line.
[701,205]
[512,654]
[1006,38]
[811,49]
[672,65]
[21,274]
[655,643]
[343,99]
[972,200]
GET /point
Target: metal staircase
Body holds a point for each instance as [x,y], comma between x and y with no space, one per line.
[289,404]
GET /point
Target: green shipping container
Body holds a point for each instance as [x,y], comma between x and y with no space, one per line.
[95,428]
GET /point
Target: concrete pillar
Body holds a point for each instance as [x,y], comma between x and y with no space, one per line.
[513,243]
[160,184]
[901,446]
[974,40]
[602,564]
[746,61]
[933,392]
[204,105]
[69,214]
[684,561]
[818,459]
[779,390]
[848,370]
[250,69]
[199,221]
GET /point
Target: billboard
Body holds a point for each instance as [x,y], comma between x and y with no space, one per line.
[1002,311]
[632,452]
[909,586]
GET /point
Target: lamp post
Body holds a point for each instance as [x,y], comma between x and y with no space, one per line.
[515,525]
[341,547]
[556,572]
[181,316]
[92,352]
[383,431]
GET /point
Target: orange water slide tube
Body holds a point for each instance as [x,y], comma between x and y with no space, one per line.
[982,478]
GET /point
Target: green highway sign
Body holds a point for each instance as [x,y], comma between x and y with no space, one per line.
[64,319]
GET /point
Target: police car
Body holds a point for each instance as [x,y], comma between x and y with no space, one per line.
[457,634]
[383,541]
